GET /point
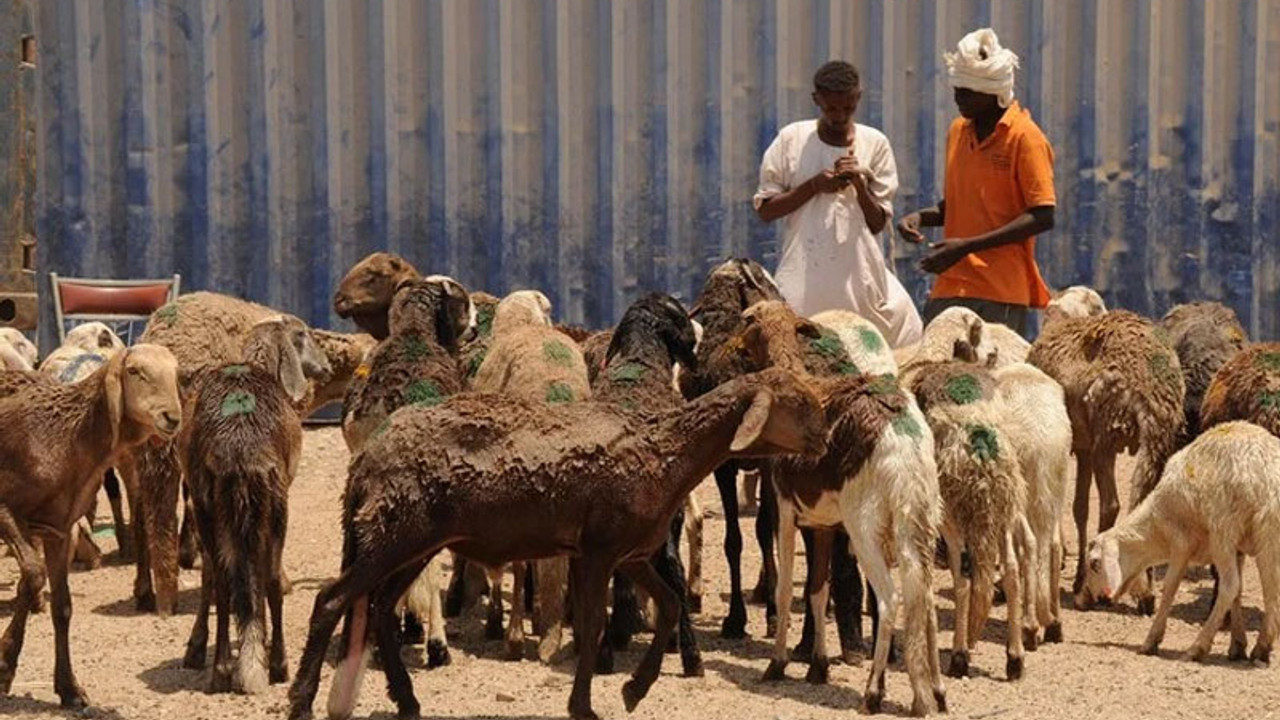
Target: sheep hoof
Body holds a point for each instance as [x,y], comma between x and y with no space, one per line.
[693,666]
[940,697]
[298,711]
[695,604]
[1013,667]
[819,672]
[803,651]
[409,711]
[1030,641]
[604,661]
[632,693]
[514,651]
[733,628]
[278,673]
[1053,632]
[872,702]
[1149,648]
[959,665]
[493,628]
[220,681]
[587,714]
[1082,602]
[852,658]
[6,677]
[413,634]
[194,659]
[1195,654]
[73,698]
[437,654]
[1147,605]
[776,672]
[770,627]
[145,603]
[1237,651]
[1260,656]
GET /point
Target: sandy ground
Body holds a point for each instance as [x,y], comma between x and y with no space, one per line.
[130,664]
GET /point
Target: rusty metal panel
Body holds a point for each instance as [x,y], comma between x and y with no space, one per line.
[18,54]
[597,148]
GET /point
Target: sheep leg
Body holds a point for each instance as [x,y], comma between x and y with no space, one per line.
[188,542]
[124,539]
[735,624]
[667,563]
[1229,589]
[162,527]
[766,524]
[1080,512]
[493,624]
[878,574]
[846,589]
[144,595]
[198,642]
[590,585]
[387,630]
[817,589]
[644,574]
[515,623]
[30,586]
[223,665]
[1031,579]
[277,665]
[803,651]
[1053,621]
[1238,650]
[64,679]
[961,578]
[455,595]
[1269,577]
[1013,565]
[786,563]
[552,576]
[624,619]
[437,642]
[693,532]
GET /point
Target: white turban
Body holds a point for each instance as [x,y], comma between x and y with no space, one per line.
[982,65]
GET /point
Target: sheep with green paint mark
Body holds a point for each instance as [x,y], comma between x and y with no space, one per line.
[531,360]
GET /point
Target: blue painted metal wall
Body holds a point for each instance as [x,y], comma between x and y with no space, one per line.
[600,148]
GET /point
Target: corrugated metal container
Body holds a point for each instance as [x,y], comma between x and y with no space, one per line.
[600,148]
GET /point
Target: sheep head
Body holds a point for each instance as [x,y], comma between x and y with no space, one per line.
[522,307]
[1077,301]
[741,279]
[11,359]
[1104,578]
[663,317]
[22,347]
[458,320]
[785,417]
[141,385]
[94,337]
[282,345]
[772,333]
[366,291]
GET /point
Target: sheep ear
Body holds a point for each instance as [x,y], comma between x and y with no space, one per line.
[289,367]
[753,422]
[113,386]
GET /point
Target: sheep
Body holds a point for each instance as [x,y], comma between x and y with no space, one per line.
[1246,387]
[1205,335]
[1123,387]
[731,287]
[530,360]
[240,444]
[984,499]
[75,431]
[416,364]
[16,351]
[1077,301]
[957,323]
[878,481]
[364,294]
[200,328]
[581,478]
[654,334]
[1218,500]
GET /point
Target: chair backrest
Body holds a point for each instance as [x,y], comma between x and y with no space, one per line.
[120,304]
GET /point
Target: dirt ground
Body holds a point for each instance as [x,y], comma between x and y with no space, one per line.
[130,664]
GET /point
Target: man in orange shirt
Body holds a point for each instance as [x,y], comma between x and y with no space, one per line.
[997,196]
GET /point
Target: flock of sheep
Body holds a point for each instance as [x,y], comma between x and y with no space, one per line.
[460,408]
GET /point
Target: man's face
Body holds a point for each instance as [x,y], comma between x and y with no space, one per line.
[973,104]
[837,108]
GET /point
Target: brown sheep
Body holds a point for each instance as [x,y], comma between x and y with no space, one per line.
[1246,388]
[240,445]
[1124,389]
[579,478]
[364,293]
[201,329]
[1205,335]
[58,442]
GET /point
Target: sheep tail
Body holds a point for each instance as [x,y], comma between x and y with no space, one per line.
[244,565]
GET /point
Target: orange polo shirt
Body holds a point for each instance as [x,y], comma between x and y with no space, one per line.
[988,184]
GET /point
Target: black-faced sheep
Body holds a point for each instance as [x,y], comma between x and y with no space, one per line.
[1123,388]
[58,442]
[579,478]
[241,441]
[1218,501]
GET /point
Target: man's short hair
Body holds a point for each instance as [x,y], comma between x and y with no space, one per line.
[836,76]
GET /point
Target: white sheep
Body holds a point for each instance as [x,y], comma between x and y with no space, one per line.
[865,344]
[16,351]
[961,323]
[1217,501]
[1077,301]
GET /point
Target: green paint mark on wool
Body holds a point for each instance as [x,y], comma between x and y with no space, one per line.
[1162,368]
[871,339]
[423,392]
[628,373]
[558,353]
[828,344]
[238,402]
[484,320]
[1162,336]
[381,429]
[168,314]
[414,348]
[846,367]
[1269,399]
[235,371]
[906,425]
[1269,361]
[629,404]
[983,443]
[558,392]
[886,384]
[964,389]
[476,361]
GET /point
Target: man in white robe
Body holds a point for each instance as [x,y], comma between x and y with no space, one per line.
[833,180]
